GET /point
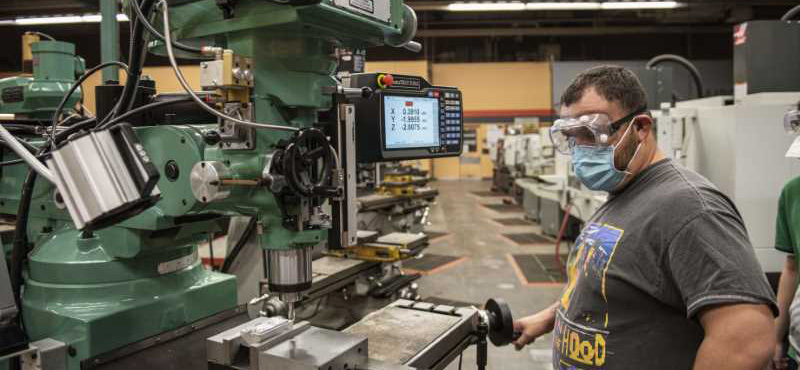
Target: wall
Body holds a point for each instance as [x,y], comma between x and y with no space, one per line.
[717,75]
[491,90]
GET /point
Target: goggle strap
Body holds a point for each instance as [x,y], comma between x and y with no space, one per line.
[616,124]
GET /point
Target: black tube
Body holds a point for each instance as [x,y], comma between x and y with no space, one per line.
[264,263]
[211,250]
[143,109]
[140,16]
[791,13]
[136,57]
[87,123]
[19,250]
[246,234]
[26,144]
[693,71]
[77,84]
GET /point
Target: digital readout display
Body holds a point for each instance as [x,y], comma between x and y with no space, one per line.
[410,122]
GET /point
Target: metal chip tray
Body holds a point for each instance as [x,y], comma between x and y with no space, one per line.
[417,334]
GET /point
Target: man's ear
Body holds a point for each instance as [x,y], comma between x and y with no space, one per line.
[643,125]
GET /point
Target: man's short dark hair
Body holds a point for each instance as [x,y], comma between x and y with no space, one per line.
[613,83]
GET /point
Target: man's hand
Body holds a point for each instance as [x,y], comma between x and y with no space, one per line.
[737,337]
[534,326]
[779,360]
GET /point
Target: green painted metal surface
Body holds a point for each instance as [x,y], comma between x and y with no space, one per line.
[109,37]
[55,67]
[77,291]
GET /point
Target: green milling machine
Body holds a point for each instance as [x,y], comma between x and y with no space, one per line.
[96,278]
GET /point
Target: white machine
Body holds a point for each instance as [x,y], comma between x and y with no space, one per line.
[739,146]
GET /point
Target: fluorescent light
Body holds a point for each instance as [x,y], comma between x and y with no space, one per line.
[640,5]
[91,18]
[86,18]
[48,20]
[485,6]
[563,6]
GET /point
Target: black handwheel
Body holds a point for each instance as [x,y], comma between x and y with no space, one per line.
[501,323]
[308,161]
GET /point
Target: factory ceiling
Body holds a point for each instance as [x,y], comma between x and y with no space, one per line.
[697,29]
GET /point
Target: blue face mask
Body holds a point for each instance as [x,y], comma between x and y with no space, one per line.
[594,166]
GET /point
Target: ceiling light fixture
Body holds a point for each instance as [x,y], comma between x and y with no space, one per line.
[69,19]
[640,5]
[562,6]
[486,6]
[565,5]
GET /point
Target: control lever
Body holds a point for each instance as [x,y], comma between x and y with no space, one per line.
[413,46]
[349,92]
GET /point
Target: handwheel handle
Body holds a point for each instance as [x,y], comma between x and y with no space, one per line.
[501,322]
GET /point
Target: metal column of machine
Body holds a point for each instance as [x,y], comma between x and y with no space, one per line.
[109,37]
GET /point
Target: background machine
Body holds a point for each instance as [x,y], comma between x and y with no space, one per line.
[729,138]
[109,212]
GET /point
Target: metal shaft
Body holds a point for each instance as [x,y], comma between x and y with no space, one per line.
[290,311]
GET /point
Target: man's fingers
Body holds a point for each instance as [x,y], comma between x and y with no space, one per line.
[522,341]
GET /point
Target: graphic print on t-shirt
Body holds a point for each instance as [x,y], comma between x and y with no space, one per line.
[580,335]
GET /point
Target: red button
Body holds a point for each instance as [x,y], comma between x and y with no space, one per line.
[435,94]
[387,80]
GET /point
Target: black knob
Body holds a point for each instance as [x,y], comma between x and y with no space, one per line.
[171,170]
[501,323]
[212,137]
[366,92]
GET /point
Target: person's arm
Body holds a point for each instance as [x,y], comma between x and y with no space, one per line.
[786,290]
[714,268]
[787,286]
[737,337]
[534,326]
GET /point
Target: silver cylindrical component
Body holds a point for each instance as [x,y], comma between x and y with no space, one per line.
[103,176]
[207,178]
[289,272]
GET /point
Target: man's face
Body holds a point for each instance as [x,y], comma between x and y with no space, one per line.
[591,102]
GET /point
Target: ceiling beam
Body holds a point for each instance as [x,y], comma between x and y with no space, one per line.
[570,31]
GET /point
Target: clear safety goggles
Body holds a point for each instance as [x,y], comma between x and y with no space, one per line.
[791,121]
[593,129]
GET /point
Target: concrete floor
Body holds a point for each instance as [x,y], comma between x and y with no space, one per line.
[486,272]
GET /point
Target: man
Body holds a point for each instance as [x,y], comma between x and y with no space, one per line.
[663,275]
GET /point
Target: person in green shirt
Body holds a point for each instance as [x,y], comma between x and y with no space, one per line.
[787,239]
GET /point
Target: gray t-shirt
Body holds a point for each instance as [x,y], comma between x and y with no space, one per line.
[646,263]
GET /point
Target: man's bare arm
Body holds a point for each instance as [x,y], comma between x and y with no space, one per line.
[737,337]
